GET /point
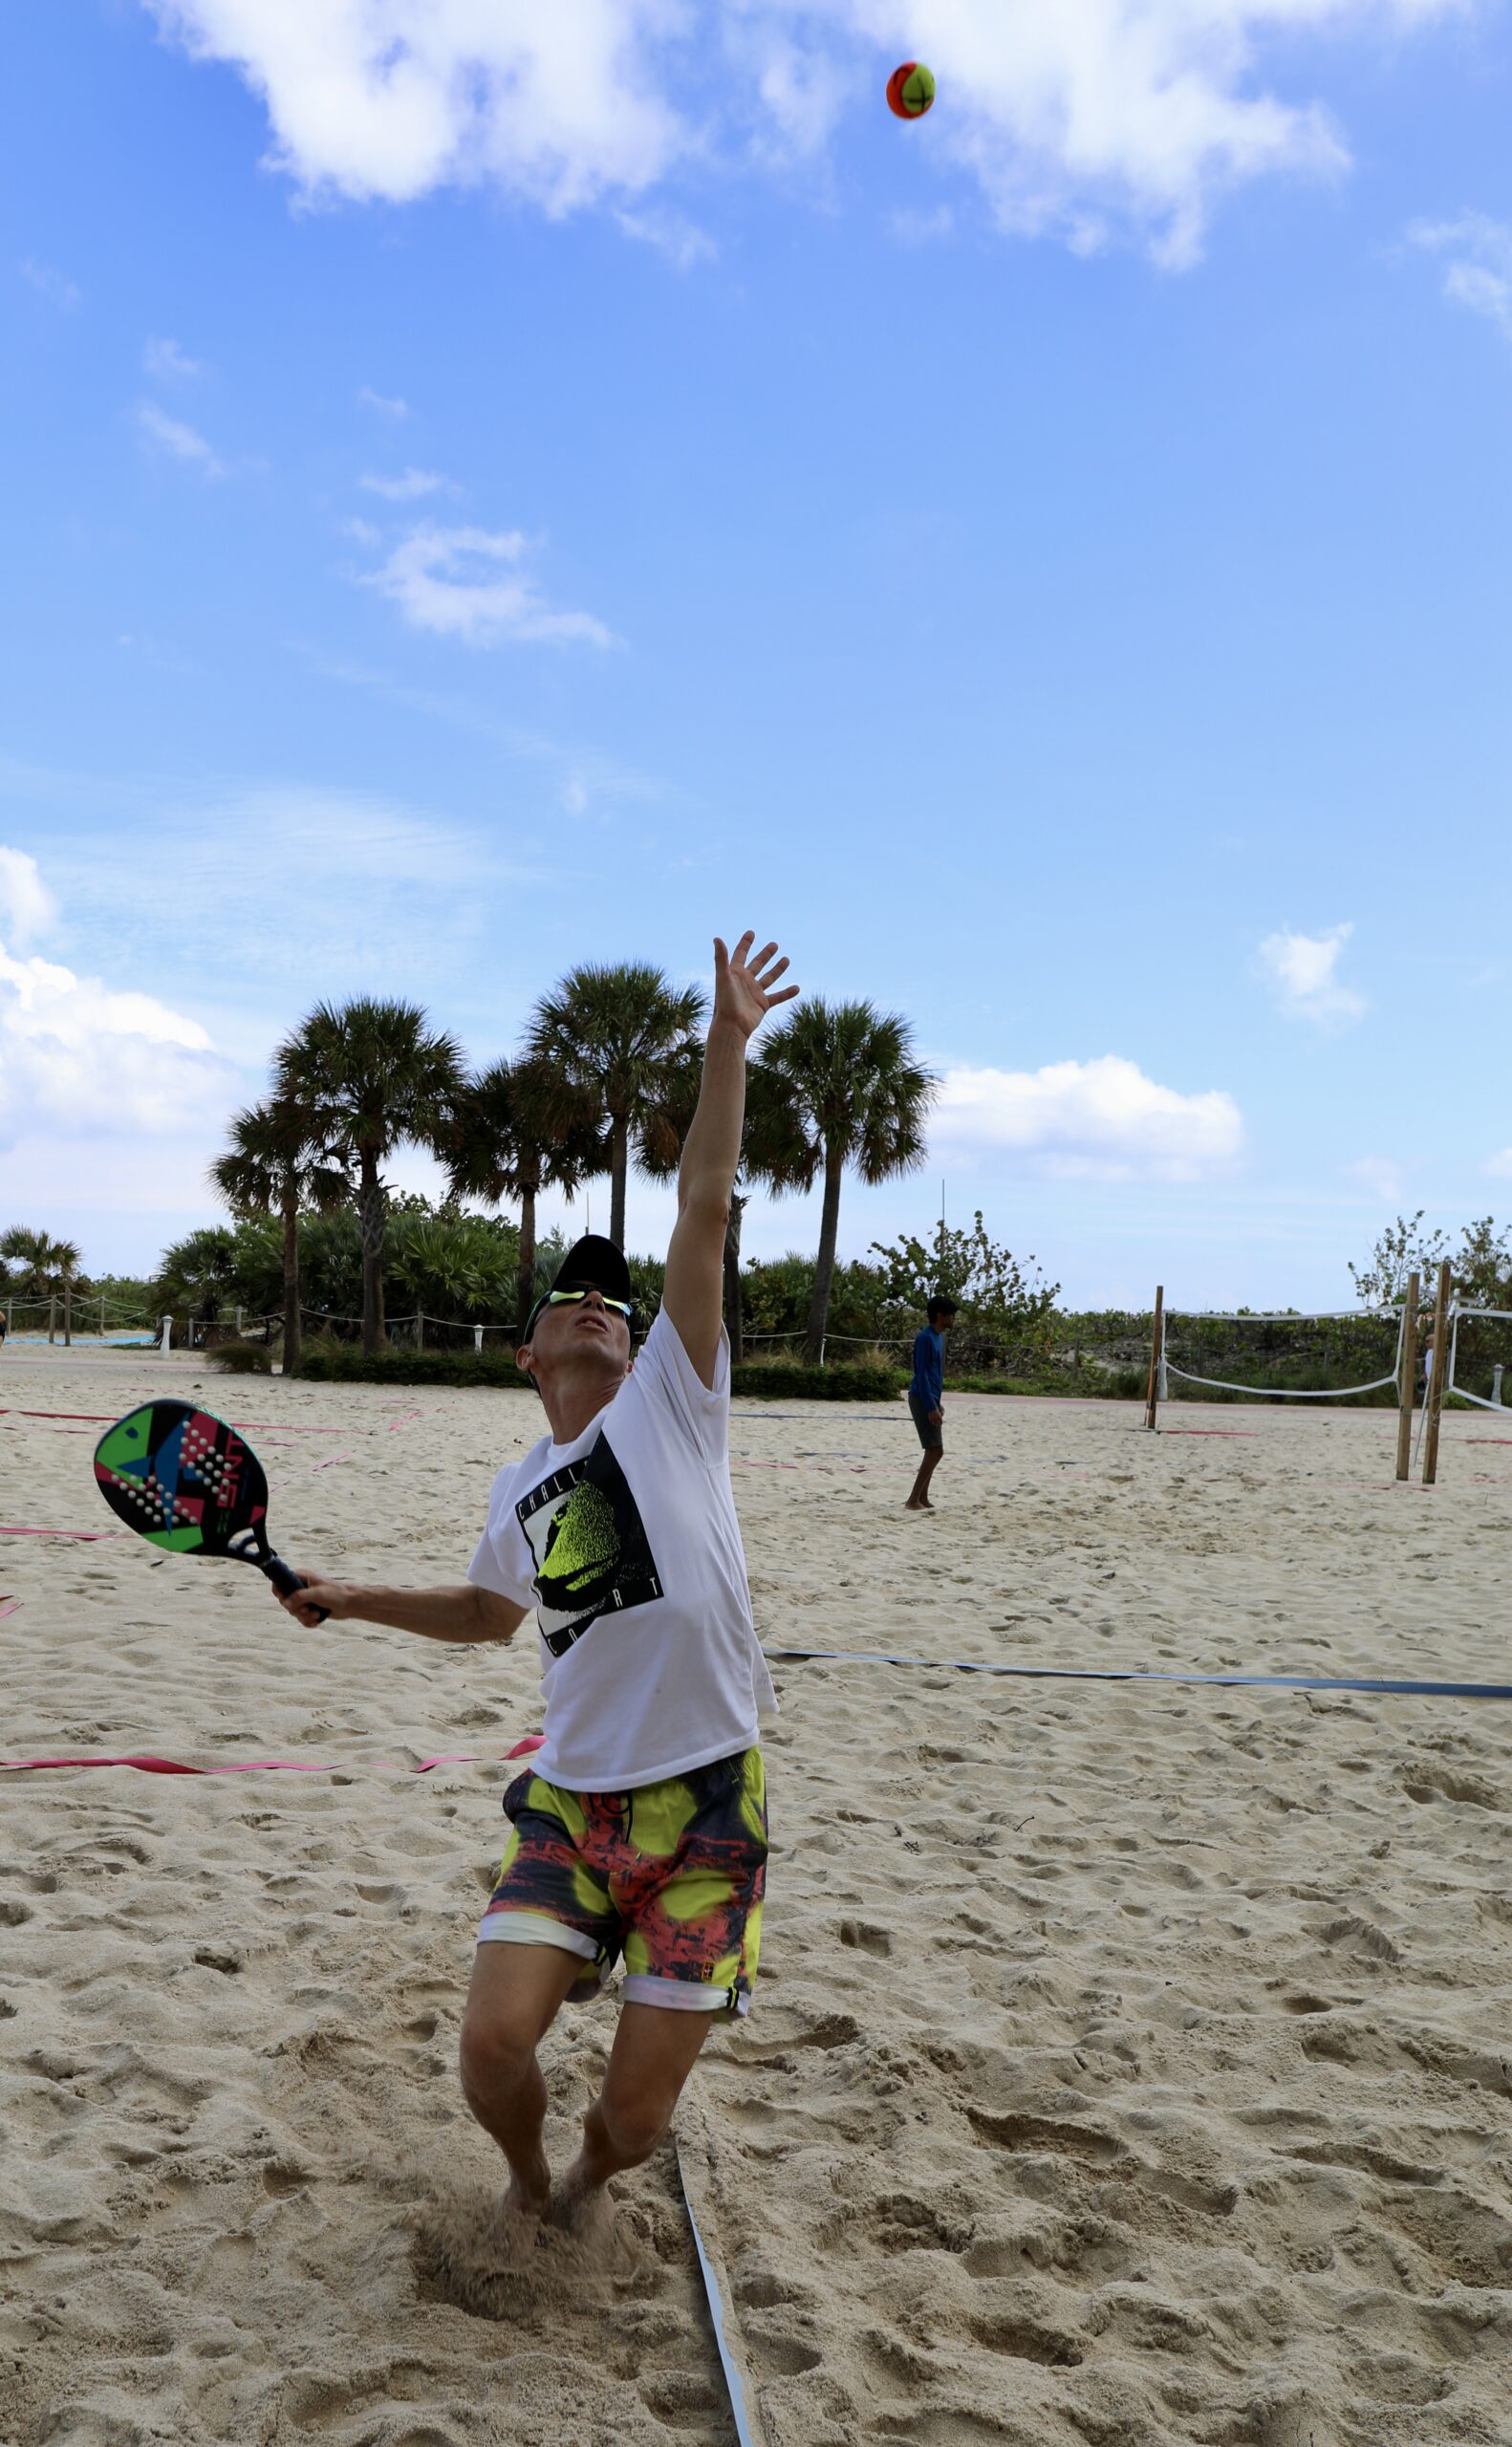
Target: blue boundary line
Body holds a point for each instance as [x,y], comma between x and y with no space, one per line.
[1137,1674]
[735,2384]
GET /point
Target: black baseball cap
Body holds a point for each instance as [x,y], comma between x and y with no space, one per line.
[591,1264]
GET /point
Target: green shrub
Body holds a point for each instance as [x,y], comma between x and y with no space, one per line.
[788,1379]
[330,1362]
[240,1358]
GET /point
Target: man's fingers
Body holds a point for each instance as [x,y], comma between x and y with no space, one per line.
[776,970]
[785,995]
[745,942]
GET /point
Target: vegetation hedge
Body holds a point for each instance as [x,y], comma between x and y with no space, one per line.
[241,1358]
[343,1363]
[346,1363]
[789,1379]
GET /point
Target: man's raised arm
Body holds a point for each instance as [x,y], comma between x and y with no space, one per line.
[744,991]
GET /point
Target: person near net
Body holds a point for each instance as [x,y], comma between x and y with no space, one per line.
[926,1396]
[640,1827]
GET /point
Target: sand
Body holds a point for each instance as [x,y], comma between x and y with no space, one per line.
[1129,2064]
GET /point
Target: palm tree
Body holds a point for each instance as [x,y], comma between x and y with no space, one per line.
[837,1084]
[47,1267]
[629,1038]
[521,1128]
[275,1164]
[373,1075]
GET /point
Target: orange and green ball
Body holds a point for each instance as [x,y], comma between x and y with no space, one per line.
[910,90]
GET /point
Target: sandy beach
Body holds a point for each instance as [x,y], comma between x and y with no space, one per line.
[1130,2063]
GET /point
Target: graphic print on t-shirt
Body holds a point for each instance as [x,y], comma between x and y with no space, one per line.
[591,1553]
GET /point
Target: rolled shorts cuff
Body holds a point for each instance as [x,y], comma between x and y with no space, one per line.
[538,1929]
[684,1995]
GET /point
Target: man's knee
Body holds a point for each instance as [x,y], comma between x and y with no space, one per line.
[496,2052]
[634,2125]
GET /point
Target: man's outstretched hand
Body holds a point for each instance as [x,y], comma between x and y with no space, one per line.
[744,987]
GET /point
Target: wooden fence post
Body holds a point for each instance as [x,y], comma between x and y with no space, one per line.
[1407,1389]
[1157,1351]
[68,1315]
[1435,1387]
[51,1316]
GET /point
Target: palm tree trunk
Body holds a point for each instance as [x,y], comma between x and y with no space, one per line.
[618,1167]
[68,1313]
[370,1207]
[291,1324]
[525,1290]
[734,1324]
[824,1265]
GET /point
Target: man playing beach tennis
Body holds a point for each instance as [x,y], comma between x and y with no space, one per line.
[926,1397]
[640,1827]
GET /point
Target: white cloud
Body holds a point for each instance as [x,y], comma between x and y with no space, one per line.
[1478,271]
[1501,1164]
[27,907]
[48,283]
[464,582]
[391,98]
[1097,1120]
[78,1058]
[412,486]
[1301,971]
[178,440]
[398,409]
[681,241]
[1381,1176]
[166,362]
[1082,117]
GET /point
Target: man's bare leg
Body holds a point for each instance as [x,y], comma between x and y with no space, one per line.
[654,2053]
[512,2001]
[918,1500]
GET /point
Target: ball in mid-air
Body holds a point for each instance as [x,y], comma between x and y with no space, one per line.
[910,90]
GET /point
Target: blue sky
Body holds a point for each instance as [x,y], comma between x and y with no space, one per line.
[1050,564]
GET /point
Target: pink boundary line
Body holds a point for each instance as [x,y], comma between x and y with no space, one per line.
[8,1606]
[252,1426]
[150,1765]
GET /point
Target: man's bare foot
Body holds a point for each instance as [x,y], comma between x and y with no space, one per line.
[584,2208]
[526,2203]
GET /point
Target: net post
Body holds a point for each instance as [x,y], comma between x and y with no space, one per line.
[1157,1353]
[1407,1389]
[1436,1386]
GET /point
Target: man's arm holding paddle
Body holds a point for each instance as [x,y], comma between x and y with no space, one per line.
[744,991]
[461,1615]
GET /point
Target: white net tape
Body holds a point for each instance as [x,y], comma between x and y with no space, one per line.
[1473,1316]
[1283,1392]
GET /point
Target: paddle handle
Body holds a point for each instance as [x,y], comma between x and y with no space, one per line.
[286,1582]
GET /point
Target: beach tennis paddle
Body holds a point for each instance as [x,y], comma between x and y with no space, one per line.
[186,1482]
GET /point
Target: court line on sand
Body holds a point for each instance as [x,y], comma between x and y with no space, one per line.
[1143,1674]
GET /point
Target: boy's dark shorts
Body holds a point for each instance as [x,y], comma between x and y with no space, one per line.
[931,1434]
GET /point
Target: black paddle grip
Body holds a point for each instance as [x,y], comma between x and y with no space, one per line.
[286,1582]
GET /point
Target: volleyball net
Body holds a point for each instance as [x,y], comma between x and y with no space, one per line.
[1323,1355]
[1479,1350]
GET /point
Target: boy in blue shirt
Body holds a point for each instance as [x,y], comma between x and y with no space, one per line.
[926,1397]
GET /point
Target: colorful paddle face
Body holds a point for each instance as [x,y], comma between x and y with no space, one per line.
[186,1482]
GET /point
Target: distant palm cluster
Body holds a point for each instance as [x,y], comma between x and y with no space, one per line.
[606,1079]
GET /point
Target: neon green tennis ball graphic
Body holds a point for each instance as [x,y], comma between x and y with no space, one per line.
[583,1545]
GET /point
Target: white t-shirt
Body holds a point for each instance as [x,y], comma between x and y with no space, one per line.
[626,1544]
